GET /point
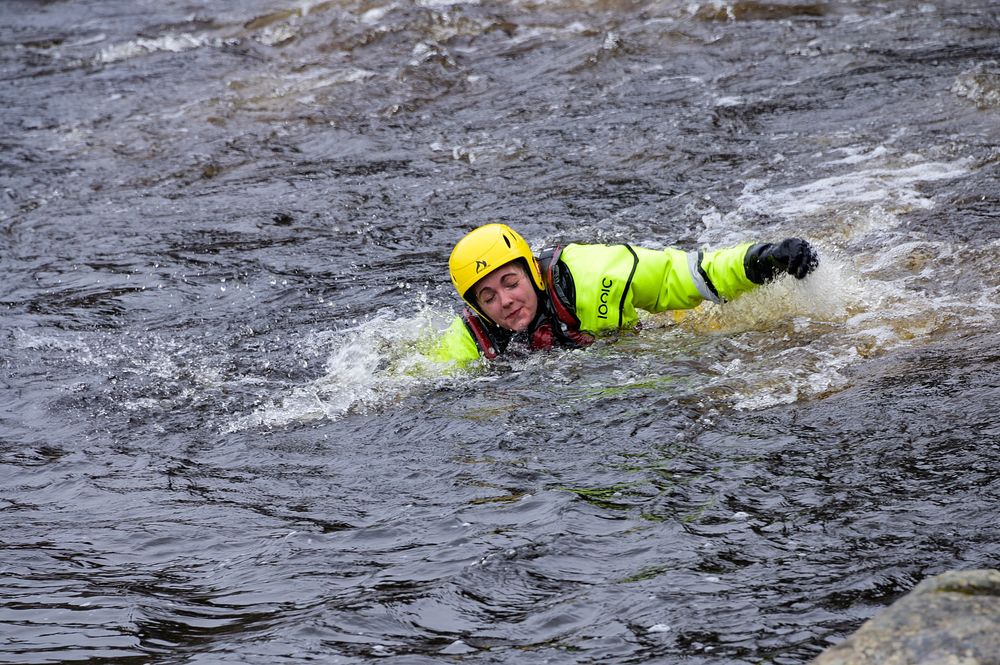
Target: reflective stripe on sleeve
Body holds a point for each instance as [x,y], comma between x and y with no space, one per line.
[700,279]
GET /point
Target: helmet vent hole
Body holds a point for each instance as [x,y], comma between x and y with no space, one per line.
[507,240]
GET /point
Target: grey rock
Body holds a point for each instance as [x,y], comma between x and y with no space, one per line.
[949,619]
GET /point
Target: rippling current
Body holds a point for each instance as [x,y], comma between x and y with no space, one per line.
[224,229]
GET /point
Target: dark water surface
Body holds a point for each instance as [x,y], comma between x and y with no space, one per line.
[223,238]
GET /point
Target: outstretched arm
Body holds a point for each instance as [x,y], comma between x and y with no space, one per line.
[672,279]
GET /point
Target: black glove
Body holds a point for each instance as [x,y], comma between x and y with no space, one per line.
[765,261]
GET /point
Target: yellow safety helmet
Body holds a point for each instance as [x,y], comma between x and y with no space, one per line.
[482,251]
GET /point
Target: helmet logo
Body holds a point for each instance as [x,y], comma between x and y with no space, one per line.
[481,266]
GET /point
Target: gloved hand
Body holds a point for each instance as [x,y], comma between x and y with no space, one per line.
[765,261]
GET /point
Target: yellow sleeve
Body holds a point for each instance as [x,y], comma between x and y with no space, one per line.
[674,279]
[663,281]
[726,271]
[612,281]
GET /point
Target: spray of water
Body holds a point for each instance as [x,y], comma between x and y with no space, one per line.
[369,366]
[877,288]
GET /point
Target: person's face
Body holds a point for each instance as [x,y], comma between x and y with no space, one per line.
[508,296]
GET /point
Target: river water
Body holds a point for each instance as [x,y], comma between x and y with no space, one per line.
[224,230]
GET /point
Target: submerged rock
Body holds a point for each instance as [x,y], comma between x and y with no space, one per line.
[950,619]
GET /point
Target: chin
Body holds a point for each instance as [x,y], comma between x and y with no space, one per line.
[513,326]
[520,326]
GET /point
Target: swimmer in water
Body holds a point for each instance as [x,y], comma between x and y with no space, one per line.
[566,296]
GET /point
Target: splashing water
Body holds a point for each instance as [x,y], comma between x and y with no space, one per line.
[369,366]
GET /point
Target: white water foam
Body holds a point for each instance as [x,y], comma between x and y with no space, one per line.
[854,306]
[142,46]
[369,366]
[886,182]
[444,4]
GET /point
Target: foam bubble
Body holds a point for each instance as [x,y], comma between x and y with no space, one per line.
[142,46]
